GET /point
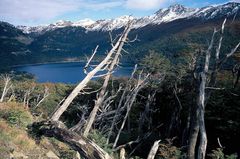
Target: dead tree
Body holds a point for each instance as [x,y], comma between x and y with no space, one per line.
[102,119]
[122,153]
[12,97]
[7,85]
[27,96]
[45,95]
[102,66]
[175,120]
[130,99]
[145,117]
[55,128]
[79,126]
[206,81]
[100,99]
[118,110]
[153,150]
[84,146]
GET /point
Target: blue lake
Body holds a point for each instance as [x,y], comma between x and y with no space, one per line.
[71,72]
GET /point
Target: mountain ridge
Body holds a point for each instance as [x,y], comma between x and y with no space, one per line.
[164,15]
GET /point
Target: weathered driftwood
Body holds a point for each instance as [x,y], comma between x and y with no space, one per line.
[84,146]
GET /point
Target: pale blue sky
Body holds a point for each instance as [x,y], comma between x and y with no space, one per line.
[35,12]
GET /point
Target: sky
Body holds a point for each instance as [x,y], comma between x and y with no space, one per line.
[39,12]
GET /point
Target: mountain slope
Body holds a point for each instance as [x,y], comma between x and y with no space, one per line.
[13,44]
[171,31]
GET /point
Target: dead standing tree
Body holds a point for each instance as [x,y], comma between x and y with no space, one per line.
[44,96]
[113,63]
[27,96]
[119,108]
[130,99]
[103,118]
[206,81]
[7,85]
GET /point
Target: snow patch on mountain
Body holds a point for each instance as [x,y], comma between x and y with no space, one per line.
[84,23]
[165,15]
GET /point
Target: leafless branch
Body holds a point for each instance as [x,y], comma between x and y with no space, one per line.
[89,60]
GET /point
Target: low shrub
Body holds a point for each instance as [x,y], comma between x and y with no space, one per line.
[15,114]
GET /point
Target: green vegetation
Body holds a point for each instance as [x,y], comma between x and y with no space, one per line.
[101,140]
[15,114]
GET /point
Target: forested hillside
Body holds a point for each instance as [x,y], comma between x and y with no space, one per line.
[181,100]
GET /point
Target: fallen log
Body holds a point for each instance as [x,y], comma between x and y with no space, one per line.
[87,148]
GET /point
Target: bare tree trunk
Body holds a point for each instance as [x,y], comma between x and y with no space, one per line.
[129,103]
[90,75]
[79,125]
[100,99]
[7,86]
[201,104]
[175,121]
[145,117]
[116,114]
[122,153]
[203,96]
[45,95]
[193,136]
[200,109]
[84,146]
[203,137]
[153,150]
[26,97]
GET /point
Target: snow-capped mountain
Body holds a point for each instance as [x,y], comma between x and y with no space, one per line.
[84,23]
[165,15]
[214,11]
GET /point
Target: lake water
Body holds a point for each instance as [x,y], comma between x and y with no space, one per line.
[71,72]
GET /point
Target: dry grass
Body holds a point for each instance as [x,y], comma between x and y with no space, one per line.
[13,136]
[15,114]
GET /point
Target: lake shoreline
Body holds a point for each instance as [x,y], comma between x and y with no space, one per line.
[60,62]
[45,63]
[66,72]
